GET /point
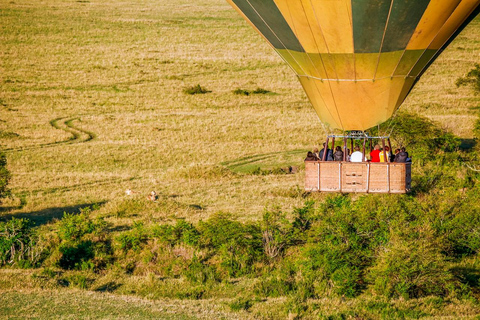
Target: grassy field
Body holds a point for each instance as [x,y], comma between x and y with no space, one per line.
[92,103]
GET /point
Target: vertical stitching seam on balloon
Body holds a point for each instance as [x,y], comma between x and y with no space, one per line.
[324,39]
[314,81]
[328,81]
[276,36]
[433,38]
[296,34]
[353,41]
[383,39]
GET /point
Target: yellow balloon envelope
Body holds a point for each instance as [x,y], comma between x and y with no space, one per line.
[357,59]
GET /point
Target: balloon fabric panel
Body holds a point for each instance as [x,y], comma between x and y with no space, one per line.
[357,59]
[270,22]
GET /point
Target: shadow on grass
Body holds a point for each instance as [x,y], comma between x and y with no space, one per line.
[47,215]
[109,287]
[467,144]
[273,162]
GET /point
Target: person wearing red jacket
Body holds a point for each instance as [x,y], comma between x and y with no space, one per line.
[375,154]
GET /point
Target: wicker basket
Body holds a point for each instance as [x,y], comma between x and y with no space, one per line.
[372,177]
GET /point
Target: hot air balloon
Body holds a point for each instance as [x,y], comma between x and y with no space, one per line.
[357,60]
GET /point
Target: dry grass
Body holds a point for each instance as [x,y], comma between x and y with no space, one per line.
[118,69]
[121,72]
[91,96]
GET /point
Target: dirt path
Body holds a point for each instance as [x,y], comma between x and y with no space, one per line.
[78,135]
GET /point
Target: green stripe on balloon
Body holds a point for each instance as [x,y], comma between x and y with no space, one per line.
[265,15]
[376,27]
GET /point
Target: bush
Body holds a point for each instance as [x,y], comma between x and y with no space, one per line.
[245,92]
[75,226]
[340,245]
[198,272]
[17,243]
[273,286]
[460,229]
[237,245]
[411,269]
[196,90]
[182,232]
[276,232]
[241,92]
[76,255]
[83,244]
[78,280]
[132,240]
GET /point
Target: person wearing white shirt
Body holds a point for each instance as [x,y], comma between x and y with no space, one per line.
[357,155]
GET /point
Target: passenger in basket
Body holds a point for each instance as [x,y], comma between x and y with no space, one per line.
[357,156]
[402,156]
[329,154]
[338,155]
[311,156]
[375,154]
[397,151]
[316,153]
[387,152]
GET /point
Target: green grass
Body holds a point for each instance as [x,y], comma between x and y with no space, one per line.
[54,304]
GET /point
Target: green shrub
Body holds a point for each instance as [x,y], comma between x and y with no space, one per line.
[461,228]
[276,233]
[182,232]
[75,255]
[83,242]
[411,269]
[273,286]
[344,237]
[17,243]
[78,280]
[245,92]
[199,272]
[237,245]
[241,92]
[75,226]
[260,91]
[195,90]
[132,240]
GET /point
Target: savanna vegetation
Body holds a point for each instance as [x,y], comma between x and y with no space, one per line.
[185,99]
